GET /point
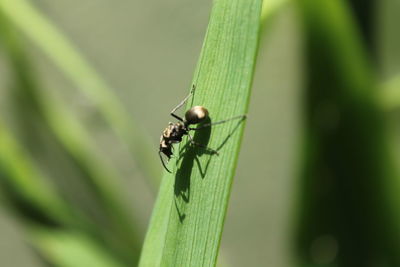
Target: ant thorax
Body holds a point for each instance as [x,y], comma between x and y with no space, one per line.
[171,135]
[174,132]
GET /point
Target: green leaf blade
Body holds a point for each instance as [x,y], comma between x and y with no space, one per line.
[189,214]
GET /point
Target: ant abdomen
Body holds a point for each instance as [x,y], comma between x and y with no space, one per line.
[196,114]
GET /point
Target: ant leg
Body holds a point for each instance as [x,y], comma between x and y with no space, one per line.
[163,163]
[218,122]
[201,145]
[181,104]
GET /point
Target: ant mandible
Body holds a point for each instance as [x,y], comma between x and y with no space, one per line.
[175,131]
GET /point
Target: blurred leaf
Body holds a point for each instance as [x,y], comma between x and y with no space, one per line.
[20,180]
[390,93]
[71,63]
[270,8]
[188,217]
[364,13]
[71,249]
[349,203]
[116,226]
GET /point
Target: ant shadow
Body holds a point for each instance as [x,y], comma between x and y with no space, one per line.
[189,154]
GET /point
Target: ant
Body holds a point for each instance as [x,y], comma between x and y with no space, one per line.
[175,131]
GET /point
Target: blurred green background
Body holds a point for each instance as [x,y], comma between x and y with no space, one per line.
[146,51]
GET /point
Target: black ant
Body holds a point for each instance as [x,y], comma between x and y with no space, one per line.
[175,131]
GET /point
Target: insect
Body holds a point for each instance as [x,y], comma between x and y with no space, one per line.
[174,132]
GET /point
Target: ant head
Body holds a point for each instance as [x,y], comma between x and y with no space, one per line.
[196,114]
